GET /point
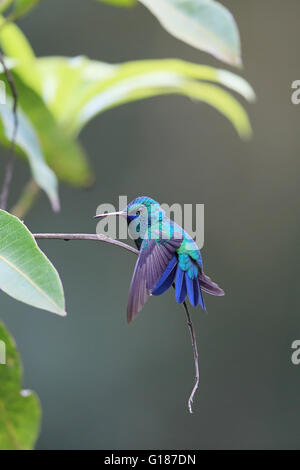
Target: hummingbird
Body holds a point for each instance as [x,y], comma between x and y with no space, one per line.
[168,256]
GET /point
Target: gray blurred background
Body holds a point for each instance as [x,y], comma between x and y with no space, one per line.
[106,385]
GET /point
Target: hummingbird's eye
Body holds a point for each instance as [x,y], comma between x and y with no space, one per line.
[137,213]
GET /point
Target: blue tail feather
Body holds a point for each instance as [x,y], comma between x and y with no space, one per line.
[196,290]
[201,300]
[190,289]
[167,278]
[180,289]
[184,285]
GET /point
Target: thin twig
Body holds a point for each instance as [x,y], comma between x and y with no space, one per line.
[10,164]
[104,238]
[85,236]
[195,350]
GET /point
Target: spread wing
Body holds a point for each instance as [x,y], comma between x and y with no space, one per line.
[154,258]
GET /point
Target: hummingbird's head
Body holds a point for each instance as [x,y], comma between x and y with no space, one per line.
[145,209]
[140,213]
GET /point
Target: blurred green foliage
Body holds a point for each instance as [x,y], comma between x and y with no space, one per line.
[57,97]
[60,95]
[204,24]
[19,409]
[119,3]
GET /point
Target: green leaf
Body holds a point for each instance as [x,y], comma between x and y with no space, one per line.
[119,3]
[14,42]
[204,24]
[20,411]
[27,141]
[224,103]
[67,83]
[62,152]
[85,88]
[22,7]
[16,46]
[25,272]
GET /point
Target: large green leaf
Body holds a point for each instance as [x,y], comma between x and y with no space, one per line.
[19,409]
[204,24]
[25,272]
[84,88]
[27,141]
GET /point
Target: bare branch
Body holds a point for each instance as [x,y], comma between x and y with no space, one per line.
[104,238]
[10,164]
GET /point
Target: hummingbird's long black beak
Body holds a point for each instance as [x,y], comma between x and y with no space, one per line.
[99,216]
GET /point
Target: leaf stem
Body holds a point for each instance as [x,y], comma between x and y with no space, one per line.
[104,238]
[10,164]
[26,200]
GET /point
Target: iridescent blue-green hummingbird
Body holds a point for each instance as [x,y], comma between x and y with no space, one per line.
[167,256]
